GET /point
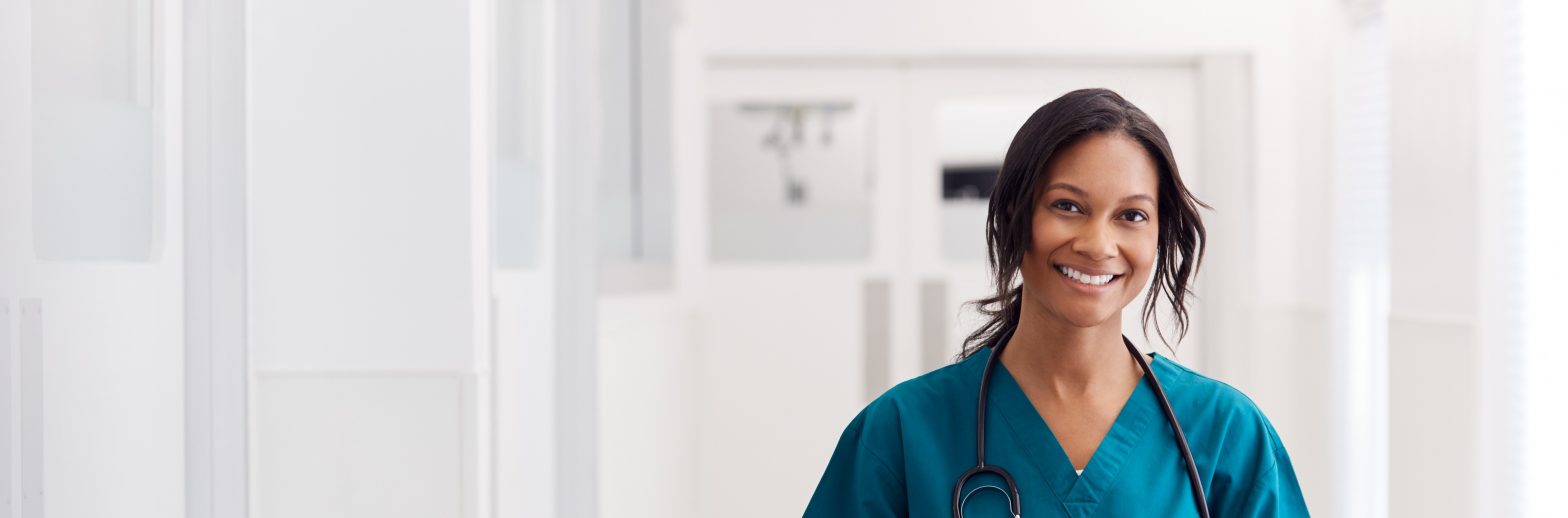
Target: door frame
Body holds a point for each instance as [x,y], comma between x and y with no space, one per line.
[217,375]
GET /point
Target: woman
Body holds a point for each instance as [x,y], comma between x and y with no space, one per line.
[1088,206]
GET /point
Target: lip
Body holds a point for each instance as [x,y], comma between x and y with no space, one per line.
[1087,271]
[1087,288]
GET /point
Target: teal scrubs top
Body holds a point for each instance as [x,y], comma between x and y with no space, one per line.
[901,455]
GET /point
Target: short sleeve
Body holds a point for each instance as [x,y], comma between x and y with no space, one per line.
[858,482]
[1275,493]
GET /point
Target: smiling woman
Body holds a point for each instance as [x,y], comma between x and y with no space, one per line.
[1091,139]
[1093,241]
[1088,207]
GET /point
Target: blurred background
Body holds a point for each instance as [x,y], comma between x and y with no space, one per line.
[516,258]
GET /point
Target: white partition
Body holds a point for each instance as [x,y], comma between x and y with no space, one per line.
[89,239]
[368,257]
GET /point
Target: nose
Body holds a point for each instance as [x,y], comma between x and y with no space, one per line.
[1095,242]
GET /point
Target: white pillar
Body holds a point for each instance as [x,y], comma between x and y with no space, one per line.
[1434,344]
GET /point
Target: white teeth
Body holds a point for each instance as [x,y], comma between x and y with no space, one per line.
[1096,280]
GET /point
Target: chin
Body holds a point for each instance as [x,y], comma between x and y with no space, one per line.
[1087,317]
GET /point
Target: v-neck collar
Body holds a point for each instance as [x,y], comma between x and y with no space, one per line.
[1077,494]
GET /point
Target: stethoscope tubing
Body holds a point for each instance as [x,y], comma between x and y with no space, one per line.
[1014,501]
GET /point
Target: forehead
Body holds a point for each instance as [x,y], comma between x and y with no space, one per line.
[1110,165]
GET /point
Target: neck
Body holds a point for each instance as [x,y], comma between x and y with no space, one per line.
[1066,360]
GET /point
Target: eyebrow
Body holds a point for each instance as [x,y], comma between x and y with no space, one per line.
[1075,190]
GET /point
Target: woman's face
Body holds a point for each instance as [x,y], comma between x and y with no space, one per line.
[1096,231]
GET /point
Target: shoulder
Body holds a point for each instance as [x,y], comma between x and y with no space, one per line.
[1209,402]
[935,390]
[1248,471]
[940,395]
[933,393]
[869,464]
[1226,424]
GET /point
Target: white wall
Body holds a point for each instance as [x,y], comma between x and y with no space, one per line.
[1438,117]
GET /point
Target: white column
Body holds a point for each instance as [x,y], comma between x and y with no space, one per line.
[1434,344]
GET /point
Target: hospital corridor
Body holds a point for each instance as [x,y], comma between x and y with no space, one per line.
[762,258]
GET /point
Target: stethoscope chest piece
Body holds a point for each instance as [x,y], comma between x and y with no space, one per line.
[960,498]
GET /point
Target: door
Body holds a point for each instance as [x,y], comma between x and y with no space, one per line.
[799,259]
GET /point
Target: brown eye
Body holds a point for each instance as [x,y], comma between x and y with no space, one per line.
[1066,205]
[1135,216]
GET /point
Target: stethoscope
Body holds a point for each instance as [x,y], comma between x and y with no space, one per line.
[1013,500]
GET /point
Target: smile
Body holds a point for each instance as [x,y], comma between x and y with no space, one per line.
[1086,279]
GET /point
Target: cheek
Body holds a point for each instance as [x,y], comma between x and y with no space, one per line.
[1047,234]
[1142,259]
